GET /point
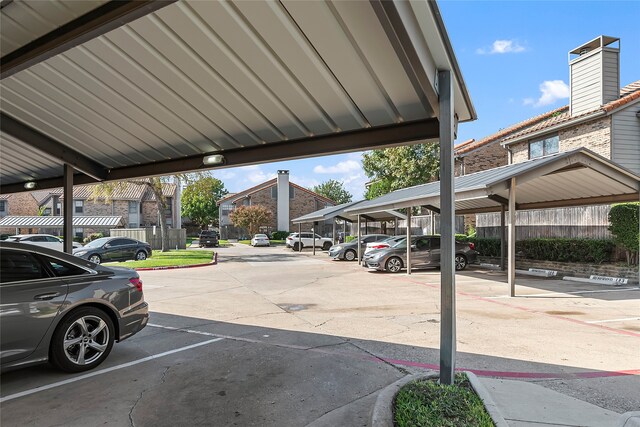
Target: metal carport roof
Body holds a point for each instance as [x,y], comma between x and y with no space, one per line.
[57,221]
[138,88]
[338,212]
[572,178]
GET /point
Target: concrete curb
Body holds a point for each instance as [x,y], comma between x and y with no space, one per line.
[382,413]
[214,261]
[485,396]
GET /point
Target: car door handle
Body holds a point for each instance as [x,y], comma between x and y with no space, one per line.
[46,297]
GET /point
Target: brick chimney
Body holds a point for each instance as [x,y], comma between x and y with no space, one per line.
[283,200]
[594,74]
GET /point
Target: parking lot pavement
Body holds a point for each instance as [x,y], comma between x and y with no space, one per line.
[273,337]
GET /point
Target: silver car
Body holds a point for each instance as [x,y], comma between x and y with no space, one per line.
[59,308]
[425,252]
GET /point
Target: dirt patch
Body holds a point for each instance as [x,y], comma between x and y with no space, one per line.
[632,328]
[564,313]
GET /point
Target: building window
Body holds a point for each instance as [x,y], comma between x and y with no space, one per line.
[47,212]
[544,147]
[292,192]
[58,208]
[79,206]
[3,207]
[78,233]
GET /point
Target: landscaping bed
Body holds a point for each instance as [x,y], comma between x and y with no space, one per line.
[169,259]
[425,402]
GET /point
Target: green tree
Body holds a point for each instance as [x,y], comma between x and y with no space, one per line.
[334,190]
[199,200]
[393,168]
[251,217]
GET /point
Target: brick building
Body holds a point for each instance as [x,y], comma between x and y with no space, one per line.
[284,199]
[600,116]
[135,203]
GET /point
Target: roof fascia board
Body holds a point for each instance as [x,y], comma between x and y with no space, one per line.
[600,200]
[49,146]
[396,214]
[396,134]
[623,106]
[92,24]
[528,136]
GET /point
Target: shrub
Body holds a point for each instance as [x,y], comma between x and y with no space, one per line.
[567,250]
[625,219]
[279,235]
[350,238]
[461,238]
[92,237]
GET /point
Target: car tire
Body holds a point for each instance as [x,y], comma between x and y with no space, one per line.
[297,247]
[71,340]
[460,262]
[393,265]
[95,258]
[326,246]
[141,256]
[350,255]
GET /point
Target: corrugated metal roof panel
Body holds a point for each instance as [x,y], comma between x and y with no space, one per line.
[57,221]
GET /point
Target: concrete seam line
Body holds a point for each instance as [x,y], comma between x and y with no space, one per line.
[104,371]
[487,400]
[382,412]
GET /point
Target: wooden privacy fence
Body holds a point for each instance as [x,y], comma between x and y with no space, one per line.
[177,236]
[420,224]
[583,222]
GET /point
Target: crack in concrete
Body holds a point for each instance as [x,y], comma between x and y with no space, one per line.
[162,381]
[398,368]
[346,404]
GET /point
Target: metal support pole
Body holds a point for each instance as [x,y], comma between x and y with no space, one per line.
[359,248]
[313,231]
[447,243]
[503,239]
[366,226]
[300,237]
[333,235]
[395,227]
[409,240]
[511,257]
[433,223]
[67,221]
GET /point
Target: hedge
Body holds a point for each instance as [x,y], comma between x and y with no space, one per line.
[625,221]
[279,235]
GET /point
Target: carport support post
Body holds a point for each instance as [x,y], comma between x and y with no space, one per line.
[333,235]
[503,239]
[409,240]
[300,237]
[358,237]
[447,243]
[67,220]
[511,258]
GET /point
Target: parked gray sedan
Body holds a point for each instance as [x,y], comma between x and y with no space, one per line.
[107,249]
[349,251]
[425,252]
[63,309]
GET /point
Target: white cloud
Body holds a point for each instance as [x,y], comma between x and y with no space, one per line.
[552,91]
[502,46]
[341,168]
[225,174]
[255,175]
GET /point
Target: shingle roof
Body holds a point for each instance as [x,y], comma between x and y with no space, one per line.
[549,119]
[274,181]
[57,221]
[124,191]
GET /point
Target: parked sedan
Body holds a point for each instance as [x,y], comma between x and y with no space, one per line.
[44,240]
[383,243]
[349,251]
[107,249]
[62,309]
[425,252]
[260,240]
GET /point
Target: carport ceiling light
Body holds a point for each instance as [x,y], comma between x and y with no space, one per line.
[215,159]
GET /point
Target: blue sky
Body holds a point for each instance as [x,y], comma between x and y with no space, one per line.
[513,55]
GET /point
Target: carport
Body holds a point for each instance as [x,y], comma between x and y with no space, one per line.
[573,178]
[106,91]
[57,222]
[333,213]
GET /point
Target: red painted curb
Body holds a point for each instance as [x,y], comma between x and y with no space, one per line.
[175,267]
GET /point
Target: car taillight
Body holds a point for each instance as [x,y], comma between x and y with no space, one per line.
[472,246]
[137,282]
[379,246]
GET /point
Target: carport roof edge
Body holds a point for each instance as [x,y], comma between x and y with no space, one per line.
[383,94]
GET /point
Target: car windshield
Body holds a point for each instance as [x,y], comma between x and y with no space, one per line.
[402,244]
[97,243]
[260,236]
[207,234]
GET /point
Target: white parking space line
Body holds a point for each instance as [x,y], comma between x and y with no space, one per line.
[614,320]
[104,371]
[571,293]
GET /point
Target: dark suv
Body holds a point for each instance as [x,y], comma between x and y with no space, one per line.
[208,238]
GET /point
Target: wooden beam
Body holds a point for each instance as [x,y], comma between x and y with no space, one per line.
[432,208]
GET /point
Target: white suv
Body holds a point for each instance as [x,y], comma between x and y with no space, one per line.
[307,241]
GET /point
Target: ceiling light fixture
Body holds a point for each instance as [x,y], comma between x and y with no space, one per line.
[213,160]
[30,185]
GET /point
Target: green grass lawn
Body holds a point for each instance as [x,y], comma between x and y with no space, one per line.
[427,403]
[168,259]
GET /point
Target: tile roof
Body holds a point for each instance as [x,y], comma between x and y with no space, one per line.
[549,119]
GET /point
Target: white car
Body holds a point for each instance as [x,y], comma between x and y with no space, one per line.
[44,240]
[260,240]
[307,241]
